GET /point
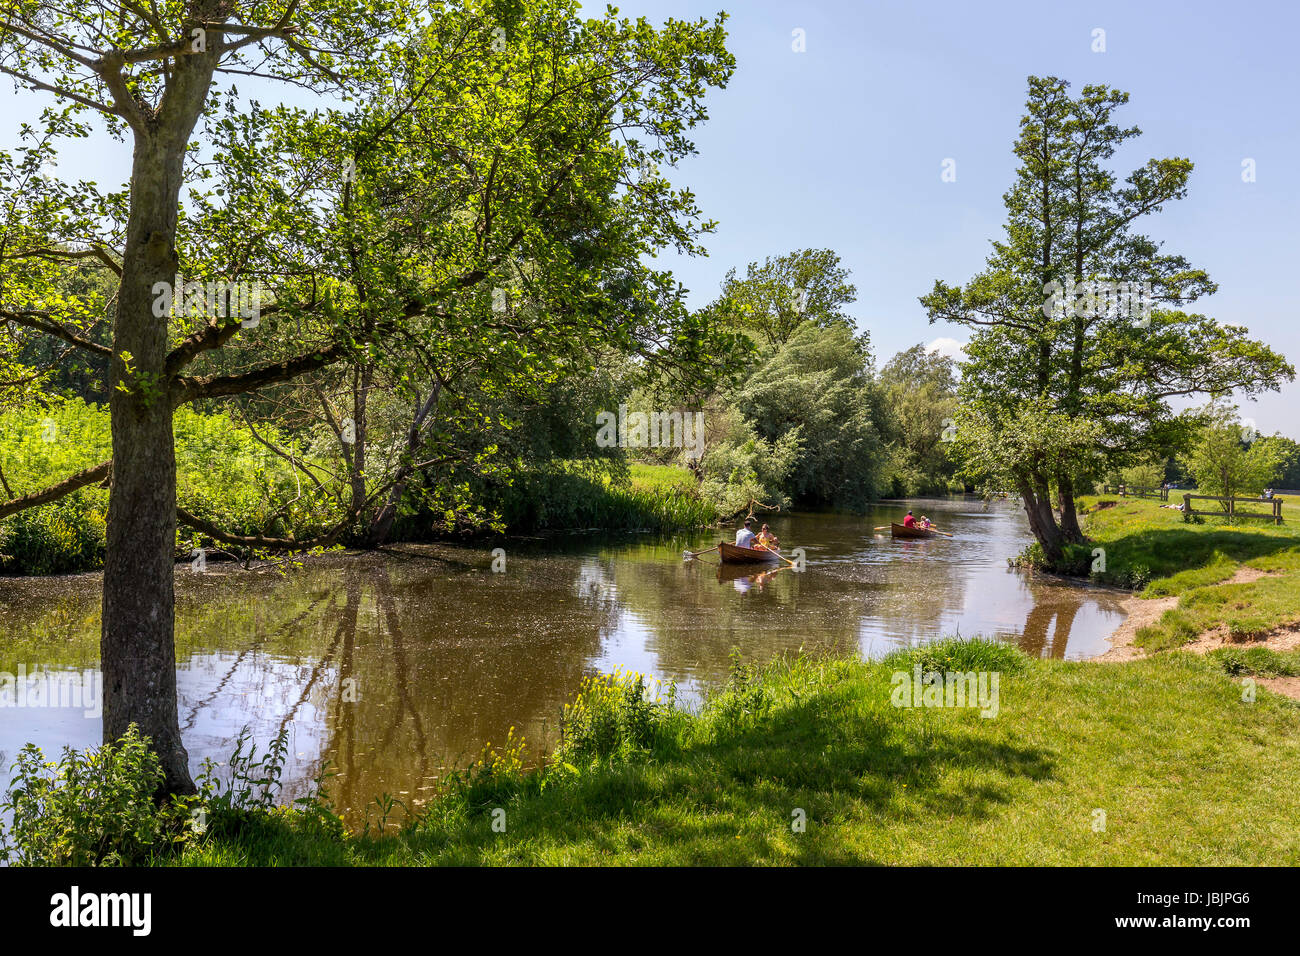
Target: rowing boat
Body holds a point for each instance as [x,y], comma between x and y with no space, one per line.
[899,531]
[735,554]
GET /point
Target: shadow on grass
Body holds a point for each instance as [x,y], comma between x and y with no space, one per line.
[1169,550]
[733,801]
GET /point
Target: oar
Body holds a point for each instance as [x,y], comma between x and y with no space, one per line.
[686,555]
[937,531]
[784,558]
[883,527]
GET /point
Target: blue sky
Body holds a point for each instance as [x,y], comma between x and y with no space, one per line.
[842,146]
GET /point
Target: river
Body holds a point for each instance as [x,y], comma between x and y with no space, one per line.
[395,666]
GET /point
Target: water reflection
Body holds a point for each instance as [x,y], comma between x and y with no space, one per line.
[394,667]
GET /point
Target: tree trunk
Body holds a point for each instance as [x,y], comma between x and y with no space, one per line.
[137,647]
[1069,516]
[137,644]
[383,522]
[1038,508]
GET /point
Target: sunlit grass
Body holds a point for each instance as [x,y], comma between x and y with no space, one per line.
[1159,761]
[1196,562]
[661,478]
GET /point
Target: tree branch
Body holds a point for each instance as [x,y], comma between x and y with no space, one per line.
[82,478]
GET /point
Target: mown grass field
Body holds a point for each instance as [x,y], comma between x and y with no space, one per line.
[1159,761]
[1196,563]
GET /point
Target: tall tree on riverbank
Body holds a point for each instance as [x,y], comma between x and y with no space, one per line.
[1078,339]
[525,108]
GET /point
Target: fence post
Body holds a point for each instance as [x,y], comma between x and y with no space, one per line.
[1187,507]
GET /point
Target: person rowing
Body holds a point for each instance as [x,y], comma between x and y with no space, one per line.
[745,536]
[909,521]
[767,540]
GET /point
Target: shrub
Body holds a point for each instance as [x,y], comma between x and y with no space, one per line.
[250,797]
[615,716]
[89,809]
[63,537]
[742,701]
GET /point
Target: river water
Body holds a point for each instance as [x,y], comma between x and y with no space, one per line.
[394,667]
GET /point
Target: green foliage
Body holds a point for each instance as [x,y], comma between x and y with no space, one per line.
[1063,383]
[224,475]
[1147,474]
[251,793]
[577,496]
[960,654]
[743,700]
[1256,661]
[774,298]
[63,537]
[740,467]
[816,386]
[1223,461]
[1287,453]
[918,395]
[89,809]
[615,717]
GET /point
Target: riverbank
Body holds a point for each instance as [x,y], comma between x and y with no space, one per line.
[810,762]
[1219,589]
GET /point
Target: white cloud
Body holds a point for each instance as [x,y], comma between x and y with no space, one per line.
[949,347]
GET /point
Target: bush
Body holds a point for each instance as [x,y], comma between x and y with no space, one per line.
[567,496]
[742,701]
[63,537]
[90,809]
[615,716]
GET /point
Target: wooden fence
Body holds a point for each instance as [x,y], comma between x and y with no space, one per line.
[1157,494]
[1231,511]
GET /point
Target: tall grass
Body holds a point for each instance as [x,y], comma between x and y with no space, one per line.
[564,497]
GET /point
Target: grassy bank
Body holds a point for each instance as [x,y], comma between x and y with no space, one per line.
[1243,579]
[1159,761]
[1184,770]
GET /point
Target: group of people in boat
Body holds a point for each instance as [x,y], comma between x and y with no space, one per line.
[911,521]
[764,540]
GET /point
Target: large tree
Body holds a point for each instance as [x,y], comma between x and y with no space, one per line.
[776,296]
[1079,339]
[477,130]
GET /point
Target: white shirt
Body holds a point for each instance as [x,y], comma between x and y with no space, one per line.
[745,538]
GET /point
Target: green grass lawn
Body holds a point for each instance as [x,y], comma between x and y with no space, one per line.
[1158,761]
[1195,562]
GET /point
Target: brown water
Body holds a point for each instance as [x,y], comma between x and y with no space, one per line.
[394,667]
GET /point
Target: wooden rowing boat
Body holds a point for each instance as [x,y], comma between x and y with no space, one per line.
[898,531]
[735,554]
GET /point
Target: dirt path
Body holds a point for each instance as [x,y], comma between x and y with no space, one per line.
[1142,612]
